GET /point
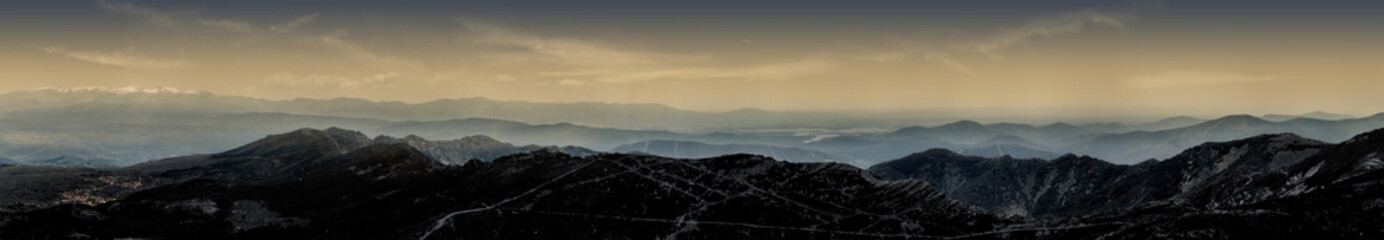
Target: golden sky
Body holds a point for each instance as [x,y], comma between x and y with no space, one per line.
[1173,57]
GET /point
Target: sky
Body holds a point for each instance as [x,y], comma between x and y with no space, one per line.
[1093,57]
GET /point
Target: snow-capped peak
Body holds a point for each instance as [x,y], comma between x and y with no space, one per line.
[125,90]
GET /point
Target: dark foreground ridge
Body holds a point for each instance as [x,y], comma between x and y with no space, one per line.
[1270,186]
[301,185]
[1079,185]
[335,184]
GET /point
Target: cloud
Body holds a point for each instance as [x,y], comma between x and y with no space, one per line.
[583,59]
[227,24]
[1064,24]
[324,80]
[783,70]
[243,32]
[149,15]
[288,27]
[186,18]
[936,57]
[504,78]
[567,51]
[570,82]
[768,71]
[119,59]
[162,17]
[900,57]
[882,58]
[1183,79]
[356,52]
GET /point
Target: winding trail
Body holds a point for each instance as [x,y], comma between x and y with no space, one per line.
[448,218]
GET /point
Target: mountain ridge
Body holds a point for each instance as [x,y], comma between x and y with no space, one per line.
[1194,176]
[693,149]
[276,186]
[412,196]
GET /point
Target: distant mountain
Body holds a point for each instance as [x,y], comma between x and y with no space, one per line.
[689,149]
[301,185]
[874,150]
[1125,144]
[104,135]
[603,115]
[1007,145]
[153,97]
[126,135]
[125,126]
[968,136]
[336,141]
[1009,140]
[970,132]
[962,132]
[1167,123]
[478,147]
[1013,151]
[568,134]
[1137,146]
[71,161]
[1313,115]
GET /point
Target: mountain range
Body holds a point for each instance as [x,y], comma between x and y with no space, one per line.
[1139,145]
[1073,185]
[1279,185]
[1120,147]
[127,135]
[111,127]
[1313,115]
[296,145]
[334,184]
[689,149]
[601,115]
[337,183]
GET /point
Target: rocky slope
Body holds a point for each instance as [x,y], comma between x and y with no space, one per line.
[1269,186]
[337,184]
[275,158]
[1337,193]
[477,147]
[1074,186]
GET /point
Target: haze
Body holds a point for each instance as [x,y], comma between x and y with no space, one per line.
[1168,58]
